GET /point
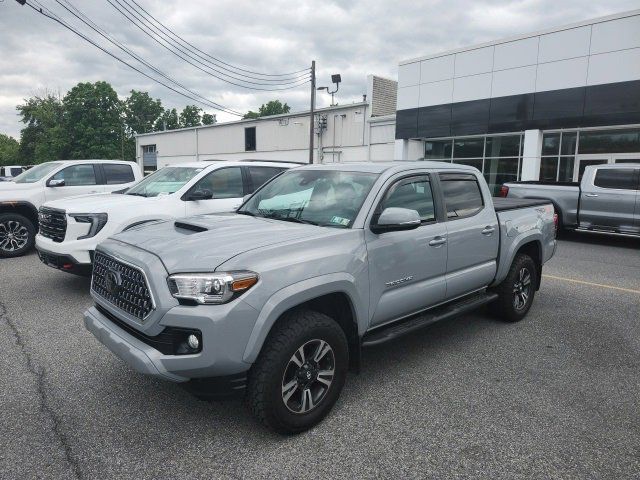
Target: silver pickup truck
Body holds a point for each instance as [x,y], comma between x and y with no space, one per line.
[276,301]
[607,199]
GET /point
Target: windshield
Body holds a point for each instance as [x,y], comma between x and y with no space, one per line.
[36,173]
[164,182]
[320,197]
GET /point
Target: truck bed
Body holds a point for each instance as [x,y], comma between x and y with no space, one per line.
[504,204]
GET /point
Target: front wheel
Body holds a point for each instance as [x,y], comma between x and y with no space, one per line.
[516,292]
[300,372]
[17,235]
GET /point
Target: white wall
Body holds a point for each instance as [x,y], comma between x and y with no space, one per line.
[351,135]
[601,51]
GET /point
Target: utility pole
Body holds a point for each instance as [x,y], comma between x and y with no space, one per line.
[313,107]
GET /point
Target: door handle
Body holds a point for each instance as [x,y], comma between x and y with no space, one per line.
[488,230]
[436,242]
[590,194]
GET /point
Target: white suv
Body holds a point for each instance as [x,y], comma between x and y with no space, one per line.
[21,198]
[71,229]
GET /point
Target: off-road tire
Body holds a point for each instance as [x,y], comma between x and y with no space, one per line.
[265,396]
[14,219]
[505,306]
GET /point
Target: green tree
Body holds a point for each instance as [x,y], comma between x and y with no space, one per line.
[167,121]
[208,119]
[9,150]
[140,113]
[93,121]
[274,107]
[43,138]
[190,116]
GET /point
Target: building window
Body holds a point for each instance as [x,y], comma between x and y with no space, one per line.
[558,156]
[498,157]
[611,141]
[149,158]
[250,139]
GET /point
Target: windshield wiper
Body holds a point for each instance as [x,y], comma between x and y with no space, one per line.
[245,212]
[136,194]
[291,219]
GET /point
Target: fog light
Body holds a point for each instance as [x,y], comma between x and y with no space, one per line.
[193,342]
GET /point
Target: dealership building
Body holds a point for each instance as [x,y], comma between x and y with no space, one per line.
[537,106]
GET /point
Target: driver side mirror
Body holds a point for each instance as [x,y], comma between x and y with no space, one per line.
[56,182]
[395,219]
[202,194]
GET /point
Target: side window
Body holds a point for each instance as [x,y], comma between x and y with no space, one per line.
[462,195]
[117,173]
[77,175]
[412,193]
[223,183]
[249,139]
[620,178]
[260,175]
[15,172]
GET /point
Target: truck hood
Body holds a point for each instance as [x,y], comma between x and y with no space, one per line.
[98,203]
[7,189]
[204,242]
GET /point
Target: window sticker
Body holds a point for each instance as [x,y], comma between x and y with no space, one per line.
[340,220]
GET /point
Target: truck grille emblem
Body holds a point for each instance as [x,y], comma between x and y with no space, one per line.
[113,282]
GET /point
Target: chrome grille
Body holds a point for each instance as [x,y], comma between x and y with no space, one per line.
[122,285]
[52,223]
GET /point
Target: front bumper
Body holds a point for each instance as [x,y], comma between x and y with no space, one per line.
[80,250]
[66,263]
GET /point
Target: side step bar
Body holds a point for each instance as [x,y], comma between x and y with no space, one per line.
[421,320]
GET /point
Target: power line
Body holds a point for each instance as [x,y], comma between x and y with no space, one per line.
[47,13]
[87,21]
[214,58]
[182,44]
[171,46]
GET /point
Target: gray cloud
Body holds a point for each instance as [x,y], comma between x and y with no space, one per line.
[353,38]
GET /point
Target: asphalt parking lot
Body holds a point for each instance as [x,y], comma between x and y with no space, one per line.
[555,396]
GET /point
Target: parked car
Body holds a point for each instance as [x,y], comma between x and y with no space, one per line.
[7,173]
[21,198]
[606,200]
[71,228]
[278,298]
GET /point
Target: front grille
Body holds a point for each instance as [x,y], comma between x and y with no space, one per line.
[122,285]
[52,223]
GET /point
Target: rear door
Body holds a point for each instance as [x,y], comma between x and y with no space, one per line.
[472,233]
[608,199]
[407,268]
[117,176]
[79,179]
[227,186]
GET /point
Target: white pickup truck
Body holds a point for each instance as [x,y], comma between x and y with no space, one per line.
[21,198]
[71,229]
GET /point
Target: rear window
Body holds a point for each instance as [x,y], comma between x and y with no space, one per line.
[462,195]
[260,175]
[117,173]
[620,178]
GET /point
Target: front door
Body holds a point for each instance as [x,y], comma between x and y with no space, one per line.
[80,179]
[472,233]
[407,268]
[226,186]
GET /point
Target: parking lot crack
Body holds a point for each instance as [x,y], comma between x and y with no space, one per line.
[43,395]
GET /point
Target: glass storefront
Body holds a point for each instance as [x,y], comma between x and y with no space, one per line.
[565,154]
[498,157]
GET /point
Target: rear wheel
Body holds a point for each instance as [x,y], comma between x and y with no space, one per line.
[17,235]
[516,292]
[300,372]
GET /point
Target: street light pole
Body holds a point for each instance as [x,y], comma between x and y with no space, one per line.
[313,107]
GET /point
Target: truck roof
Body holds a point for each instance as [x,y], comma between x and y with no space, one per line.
[235,163]
[379,167]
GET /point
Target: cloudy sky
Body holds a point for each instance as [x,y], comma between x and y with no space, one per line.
[352,38]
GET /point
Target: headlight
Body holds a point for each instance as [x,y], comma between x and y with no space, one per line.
[211,288]
[97,221]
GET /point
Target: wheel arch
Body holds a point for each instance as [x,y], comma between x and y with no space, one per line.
[337,298]
[533,249]
[26,209]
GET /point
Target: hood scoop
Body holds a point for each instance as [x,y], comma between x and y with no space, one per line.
[191,227]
